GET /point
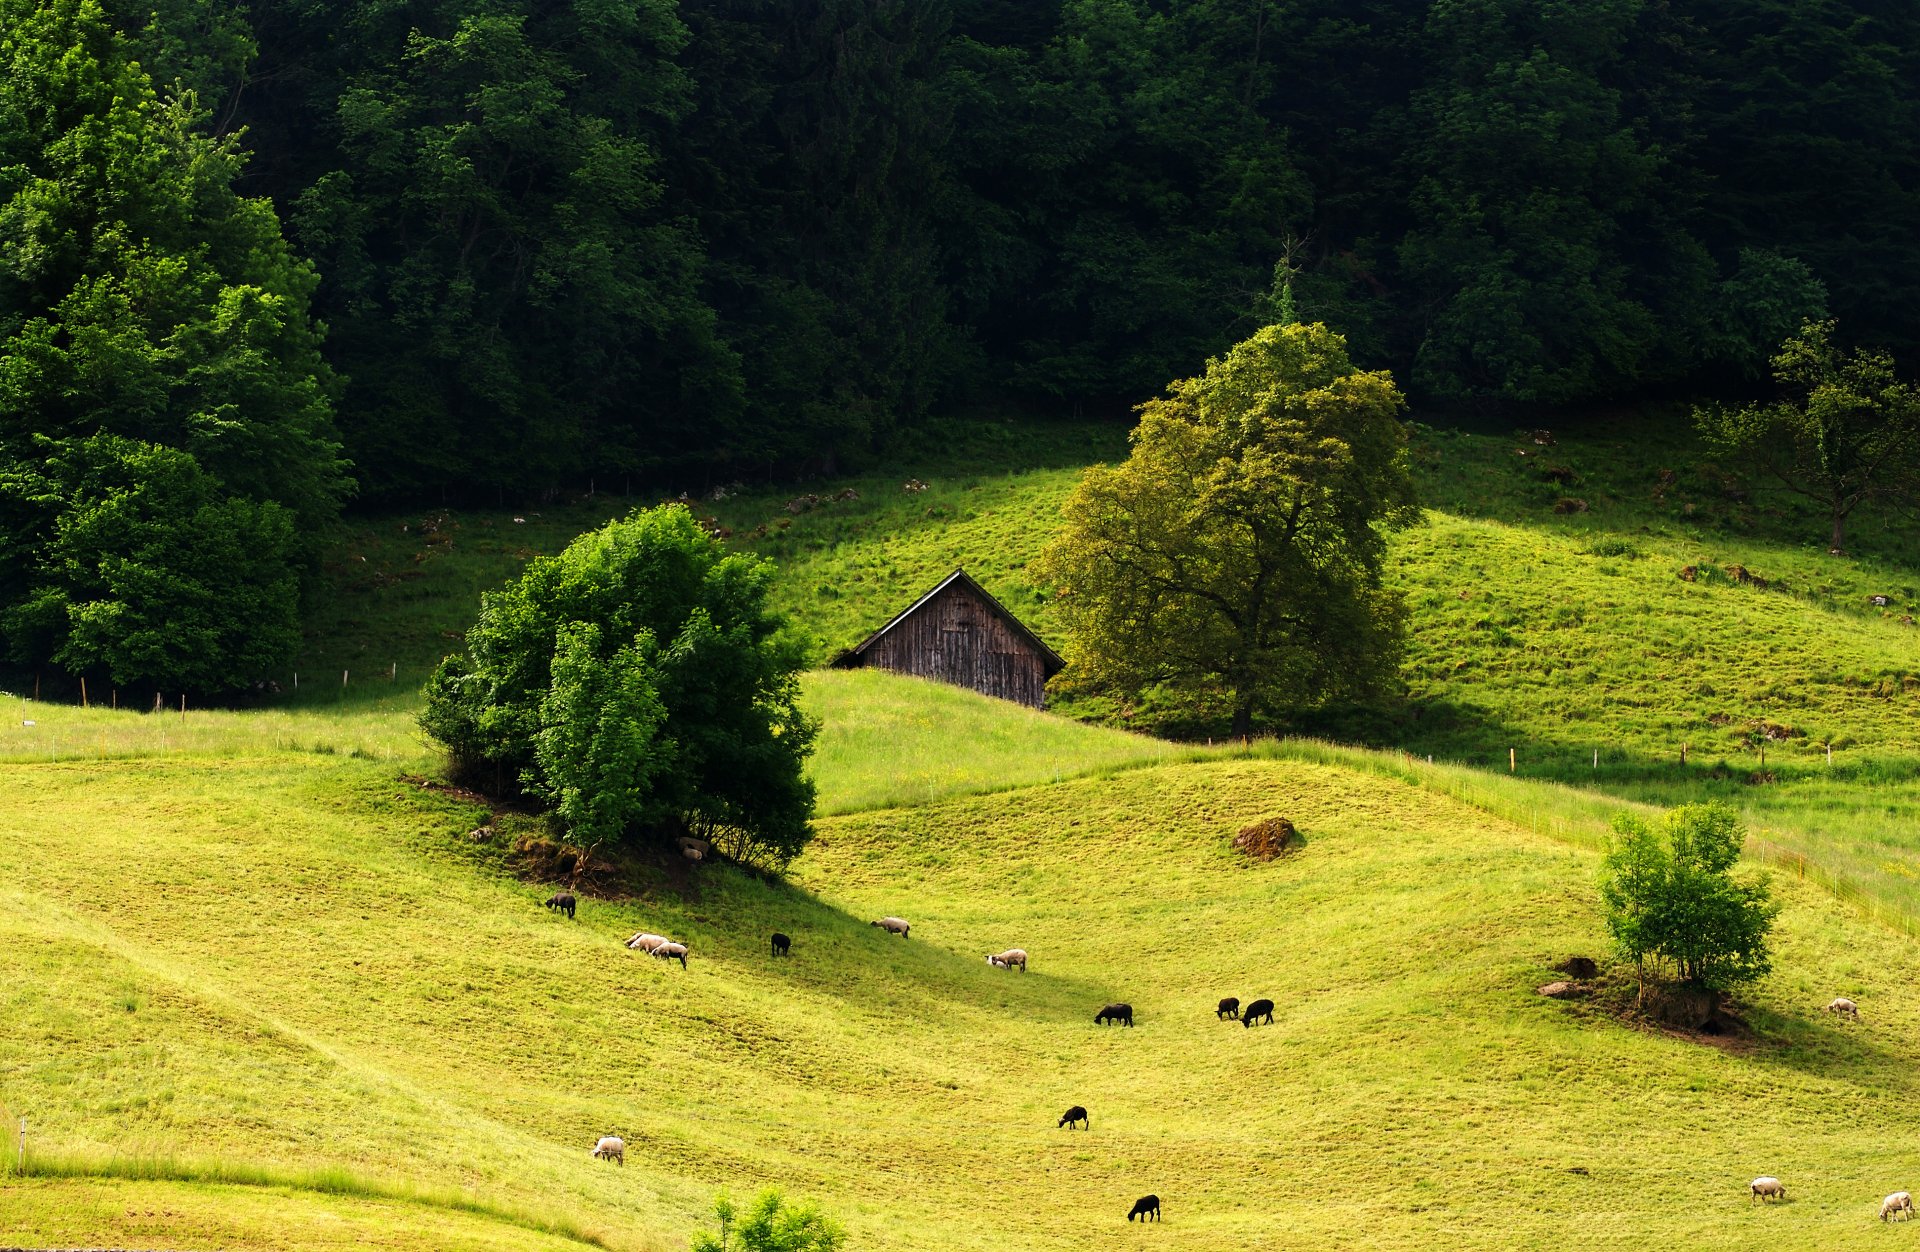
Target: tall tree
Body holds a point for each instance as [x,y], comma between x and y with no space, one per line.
[813,162]
[1236,554]
[1549,243]
[1809,137]
[157,364]
[1845,430]
[510,296]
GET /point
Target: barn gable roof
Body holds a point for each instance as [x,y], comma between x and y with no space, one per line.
[1050,660]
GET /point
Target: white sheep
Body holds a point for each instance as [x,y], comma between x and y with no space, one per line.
[1767,1187]
[1844,1007]
[892,925]
[1010,958]
[671,951]
[1898,1202]
[645,942]
[611,1148]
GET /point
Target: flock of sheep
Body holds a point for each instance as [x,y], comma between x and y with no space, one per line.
[613,1148]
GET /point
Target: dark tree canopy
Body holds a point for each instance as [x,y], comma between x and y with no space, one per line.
[640,685]
[167,452]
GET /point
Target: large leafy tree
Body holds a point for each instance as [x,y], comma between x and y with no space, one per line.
[813,162]
[1844,431]
[639,684]
[510,295]
[1236,554]
[1674,906]
[159,371]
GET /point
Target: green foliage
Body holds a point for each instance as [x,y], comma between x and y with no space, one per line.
[1673,903]
[1239,547]
[509,294]
[770,1224]
[579,241]
[153,574]
[639,683]
[1846,430]
[152,321]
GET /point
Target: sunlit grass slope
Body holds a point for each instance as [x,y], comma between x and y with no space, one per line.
[294,961]
[885,739]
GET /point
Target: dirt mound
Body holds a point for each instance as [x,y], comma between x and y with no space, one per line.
[1266,840]
[1579,967]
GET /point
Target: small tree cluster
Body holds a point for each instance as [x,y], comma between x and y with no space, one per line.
[1674,907]
[769,1224]
[638,682]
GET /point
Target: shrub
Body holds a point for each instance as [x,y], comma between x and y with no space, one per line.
[638,684]
[1674,906]
[769,1225]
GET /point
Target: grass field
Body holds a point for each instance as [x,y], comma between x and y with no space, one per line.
[291,962]
[263,991]
[1570,638]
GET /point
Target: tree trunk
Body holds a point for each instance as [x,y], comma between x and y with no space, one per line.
[1838,543]
[1243,717]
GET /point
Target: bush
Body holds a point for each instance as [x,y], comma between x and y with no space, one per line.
[637,684]
[1673,905]
[770,1225]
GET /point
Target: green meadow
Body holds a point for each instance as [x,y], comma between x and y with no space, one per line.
[290,981]
[265,989]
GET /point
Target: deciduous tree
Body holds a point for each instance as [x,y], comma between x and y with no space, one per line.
[640,685]
[162,394]
[1845,430]
[1674,906]
[1238,549]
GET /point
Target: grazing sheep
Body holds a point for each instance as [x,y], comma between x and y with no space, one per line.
[892,925]
[1257,1010]
[611,1148]
[1898,1202]
[1229,1007]
[1145,1205]
[1010,958]
[781,944]
[1078,1114]
[645,942]
[1122,1013]
[563,902]
[1844,1008]
[671,951]
[1767,1187]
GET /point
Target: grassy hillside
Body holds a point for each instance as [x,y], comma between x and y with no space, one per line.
[292,961]
[885,740]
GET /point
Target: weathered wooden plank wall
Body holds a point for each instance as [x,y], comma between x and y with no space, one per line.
[956,638]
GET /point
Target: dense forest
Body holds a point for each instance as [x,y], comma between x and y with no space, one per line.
[285,253]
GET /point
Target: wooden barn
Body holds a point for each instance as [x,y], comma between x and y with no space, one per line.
[959,634]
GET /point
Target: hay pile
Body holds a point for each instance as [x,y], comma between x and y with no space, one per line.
[1265,840]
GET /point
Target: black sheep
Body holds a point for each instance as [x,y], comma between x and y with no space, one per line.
[1122,1013]
[781,944]
[563,901]
[1145,1205]
[1257,1010]
[1229,1007]
[1076,1114]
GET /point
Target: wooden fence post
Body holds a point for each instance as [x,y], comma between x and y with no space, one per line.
[1511,765]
